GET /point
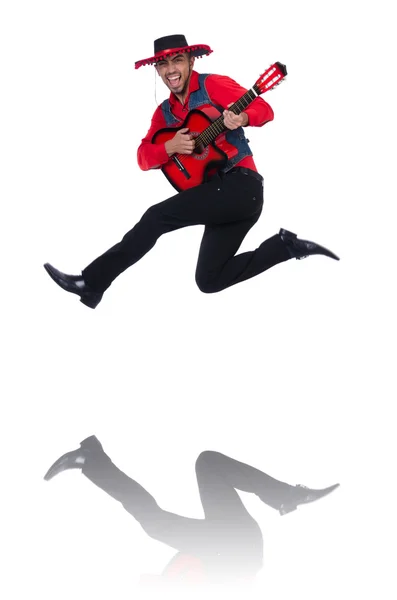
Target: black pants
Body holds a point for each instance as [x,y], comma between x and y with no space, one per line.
[228,206]
[228,540]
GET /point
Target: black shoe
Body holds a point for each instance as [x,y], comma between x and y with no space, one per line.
[303,495]
[76,285]
[301,248]
[74,459]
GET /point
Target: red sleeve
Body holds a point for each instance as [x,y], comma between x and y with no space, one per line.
[152,156]
[223,91]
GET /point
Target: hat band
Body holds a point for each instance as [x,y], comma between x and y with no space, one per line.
[197,51]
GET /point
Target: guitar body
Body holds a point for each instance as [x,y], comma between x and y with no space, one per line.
[212,150]
[199,166]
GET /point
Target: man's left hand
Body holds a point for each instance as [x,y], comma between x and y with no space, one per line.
[233,121]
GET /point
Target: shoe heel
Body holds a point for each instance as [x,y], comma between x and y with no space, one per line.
[287,234]
[90,302]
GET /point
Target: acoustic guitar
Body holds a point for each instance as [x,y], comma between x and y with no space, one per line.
[211,150]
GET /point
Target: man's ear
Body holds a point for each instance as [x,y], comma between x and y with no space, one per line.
[192,58]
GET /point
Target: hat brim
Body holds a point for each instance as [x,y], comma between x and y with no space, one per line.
[197,51]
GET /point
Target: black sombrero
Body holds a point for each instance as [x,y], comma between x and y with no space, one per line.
[173,44]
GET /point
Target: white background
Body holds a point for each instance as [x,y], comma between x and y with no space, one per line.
[292,372]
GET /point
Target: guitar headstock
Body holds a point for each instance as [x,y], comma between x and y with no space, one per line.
[270,78]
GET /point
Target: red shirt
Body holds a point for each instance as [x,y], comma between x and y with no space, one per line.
[222,90]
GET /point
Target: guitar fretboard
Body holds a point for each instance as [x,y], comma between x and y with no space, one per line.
[218,126]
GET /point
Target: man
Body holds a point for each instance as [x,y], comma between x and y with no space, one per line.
[227,545]
[229,204]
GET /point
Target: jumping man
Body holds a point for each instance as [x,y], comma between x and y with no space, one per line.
[228,203]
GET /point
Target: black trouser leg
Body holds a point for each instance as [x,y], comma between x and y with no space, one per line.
[218,266]
[230,205]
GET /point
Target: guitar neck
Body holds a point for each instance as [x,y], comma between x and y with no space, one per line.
[218,126]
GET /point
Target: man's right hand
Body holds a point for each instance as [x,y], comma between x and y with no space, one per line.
[181,143]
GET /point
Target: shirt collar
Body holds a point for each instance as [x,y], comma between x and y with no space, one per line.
[193,87]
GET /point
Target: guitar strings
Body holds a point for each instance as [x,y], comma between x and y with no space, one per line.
[218,126]
[209,134]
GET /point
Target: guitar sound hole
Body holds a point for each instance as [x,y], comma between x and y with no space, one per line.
[199,149]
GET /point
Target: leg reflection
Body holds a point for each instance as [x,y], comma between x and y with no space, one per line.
[226,545]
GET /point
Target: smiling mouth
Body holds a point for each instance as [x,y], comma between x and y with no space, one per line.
[174,81]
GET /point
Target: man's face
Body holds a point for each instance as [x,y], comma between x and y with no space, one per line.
[175,72]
